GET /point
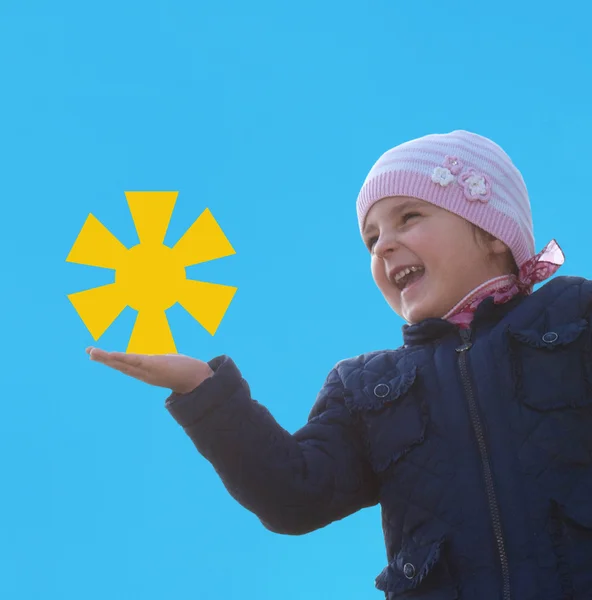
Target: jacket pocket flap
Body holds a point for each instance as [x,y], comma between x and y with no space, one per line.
[551,367]
[559,335]
[411,567]
[382,391]
[394,419]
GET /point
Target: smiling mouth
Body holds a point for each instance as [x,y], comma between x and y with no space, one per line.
[408,277]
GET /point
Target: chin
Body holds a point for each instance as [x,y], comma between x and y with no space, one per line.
[420,313]
[416,313]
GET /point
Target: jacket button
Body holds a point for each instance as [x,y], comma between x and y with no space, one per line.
[409,571]
[382,390]
[550,337]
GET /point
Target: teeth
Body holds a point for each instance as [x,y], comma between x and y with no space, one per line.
[405,272]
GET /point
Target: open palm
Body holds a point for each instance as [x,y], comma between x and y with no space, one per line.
[178,372]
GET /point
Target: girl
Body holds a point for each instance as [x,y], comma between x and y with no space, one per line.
[474,436]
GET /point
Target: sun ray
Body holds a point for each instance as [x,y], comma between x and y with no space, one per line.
[96,246]
[98,307]
[207,303]
[151,212]
[203,241]
[152,334]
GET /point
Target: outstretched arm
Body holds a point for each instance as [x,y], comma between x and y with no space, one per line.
[293,483]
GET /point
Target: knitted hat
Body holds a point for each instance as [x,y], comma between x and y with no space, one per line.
[464,173]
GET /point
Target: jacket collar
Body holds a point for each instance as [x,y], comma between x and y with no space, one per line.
[432,329]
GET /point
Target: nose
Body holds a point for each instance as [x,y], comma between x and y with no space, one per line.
[385,245]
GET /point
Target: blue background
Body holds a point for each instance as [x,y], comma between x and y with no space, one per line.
[270,114]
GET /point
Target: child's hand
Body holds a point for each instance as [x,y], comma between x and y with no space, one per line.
[180,373]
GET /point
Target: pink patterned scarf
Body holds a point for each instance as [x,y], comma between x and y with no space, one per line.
[504,288]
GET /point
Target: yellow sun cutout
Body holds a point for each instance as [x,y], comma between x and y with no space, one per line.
[150,277]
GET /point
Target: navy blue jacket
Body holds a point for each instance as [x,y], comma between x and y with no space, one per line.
[478,449]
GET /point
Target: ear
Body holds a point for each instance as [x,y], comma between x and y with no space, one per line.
[497,246]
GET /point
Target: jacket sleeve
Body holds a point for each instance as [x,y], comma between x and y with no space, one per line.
[294,483]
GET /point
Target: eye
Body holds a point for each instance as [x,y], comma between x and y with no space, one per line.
[371,242]
[410,215]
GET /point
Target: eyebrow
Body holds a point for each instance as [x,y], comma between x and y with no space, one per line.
[396,209]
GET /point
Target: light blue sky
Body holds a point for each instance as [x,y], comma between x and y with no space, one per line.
[270,114]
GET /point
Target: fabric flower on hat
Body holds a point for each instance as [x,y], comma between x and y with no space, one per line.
[475,186]
[442,176]
[453,164]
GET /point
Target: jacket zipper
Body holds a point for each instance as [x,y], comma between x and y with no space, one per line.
[478,429]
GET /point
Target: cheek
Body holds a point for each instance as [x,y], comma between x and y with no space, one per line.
[381,279]
[437,252]
[420,242]
[377,269]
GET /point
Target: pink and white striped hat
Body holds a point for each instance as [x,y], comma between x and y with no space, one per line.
[466,174]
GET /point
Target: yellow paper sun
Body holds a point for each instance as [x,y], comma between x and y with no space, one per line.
[150,277]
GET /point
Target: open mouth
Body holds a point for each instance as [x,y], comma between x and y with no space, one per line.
[408,277]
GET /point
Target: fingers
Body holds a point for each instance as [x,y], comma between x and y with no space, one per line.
[97,354]
[130,364]
[132,360]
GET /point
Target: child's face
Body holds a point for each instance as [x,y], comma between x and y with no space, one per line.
[404,231]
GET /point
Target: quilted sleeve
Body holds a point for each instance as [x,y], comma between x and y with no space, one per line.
[294,483]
